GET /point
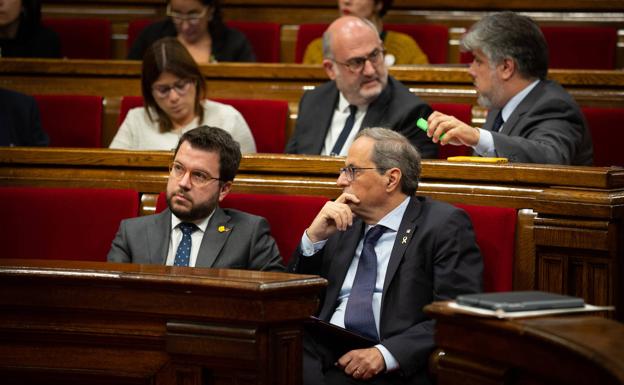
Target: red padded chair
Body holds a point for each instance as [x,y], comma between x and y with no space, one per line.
[576,47]
[62,223]
[264,37]
[605,125]
[495,230]
[432,38]
[267,119]
[83,38]
[288,215]
[463,112]
[71,120]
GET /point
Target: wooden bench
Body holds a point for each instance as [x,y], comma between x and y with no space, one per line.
[569,226]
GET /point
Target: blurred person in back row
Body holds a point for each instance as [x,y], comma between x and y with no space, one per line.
[531,119]
[197,24]
[174,91]
[21,32]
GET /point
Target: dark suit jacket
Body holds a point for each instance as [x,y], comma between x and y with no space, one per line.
[247,245]
[232,46]
[395,108]
[546,127]
[19,120]
[439,260]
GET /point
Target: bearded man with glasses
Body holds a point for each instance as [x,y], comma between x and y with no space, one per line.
[359,95]
[194,230]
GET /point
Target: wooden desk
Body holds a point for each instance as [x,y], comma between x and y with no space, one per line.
[114,79]
[570,229]
[570,350]
[103,323]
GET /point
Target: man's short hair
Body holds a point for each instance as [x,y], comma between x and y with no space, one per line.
[392,150]
[510,35]
[217,140]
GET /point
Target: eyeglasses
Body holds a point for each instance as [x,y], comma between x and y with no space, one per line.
[357,64]
[192,18]
[181,87]
[198,178]
[351,171]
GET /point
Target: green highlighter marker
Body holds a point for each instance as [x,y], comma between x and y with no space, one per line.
[422,124]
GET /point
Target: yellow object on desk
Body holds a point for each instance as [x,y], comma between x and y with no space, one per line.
[476,159]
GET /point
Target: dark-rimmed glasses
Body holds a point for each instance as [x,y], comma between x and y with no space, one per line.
[191,18]
[350,171]
[181,87]
[198,178]
[357,64]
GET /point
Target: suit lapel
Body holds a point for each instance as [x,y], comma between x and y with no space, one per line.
[158,238]
[522,108]
[409,225]
[324,112]
[217,233]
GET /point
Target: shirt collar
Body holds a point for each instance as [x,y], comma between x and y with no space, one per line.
[515,101]
[393,219]
[202,224]
[343,105]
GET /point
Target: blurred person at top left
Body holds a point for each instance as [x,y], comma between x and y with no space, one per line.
[174,93]
[197,24]
[21,32]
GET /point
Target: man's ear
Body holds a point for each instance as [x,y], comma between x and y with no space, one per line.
[394,179]
[225,190]
[328,65]
[507,68]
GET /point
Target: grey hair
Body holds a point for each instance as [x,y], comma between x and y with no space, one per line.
[510,35]
[327,36]
[392,150]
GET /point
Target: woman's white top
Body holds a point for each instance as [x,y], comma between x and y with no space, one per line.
[137,132]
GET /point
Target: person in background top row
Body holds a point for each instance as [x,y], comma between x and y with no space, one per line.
[20,124]
[173,91]
[198,26]
[400,48]
[530,119]
[21,32]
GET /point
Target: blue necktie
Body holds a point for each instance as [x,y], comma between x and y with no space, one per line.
[359,313]
[183,254]
[346,130]
[498,121]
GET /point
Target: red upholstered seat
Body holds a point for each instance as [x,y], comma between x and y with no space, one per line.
[576,47]
[62,223]
[463,112]
[83,38]
[264,37]
[605,125]
[432,38]
[495,229]
[71,120]
[267,119]
[288,215]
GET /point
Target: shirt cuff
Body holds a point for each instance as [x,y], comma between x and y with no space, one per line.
[308,248]
[485,146]
[391,362]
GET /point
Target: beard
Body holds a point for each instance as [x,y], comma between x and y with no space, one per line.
[196,211]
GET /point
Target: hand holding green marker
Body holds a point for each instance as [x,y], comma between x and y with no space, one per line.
[422,124]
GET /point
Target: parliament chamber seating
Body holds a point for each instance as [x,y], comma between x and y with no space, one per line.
[463,112]
[83,38]
[264,37]
[267,119]
[432,38]
[605,125]
[71,120]
[62,223]
[288,215]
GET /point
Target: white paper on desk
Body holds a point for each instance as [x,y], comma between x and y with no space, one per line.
[529,313]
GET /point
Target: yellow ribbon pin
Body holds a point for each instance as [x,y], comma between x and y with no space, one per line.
[223,229]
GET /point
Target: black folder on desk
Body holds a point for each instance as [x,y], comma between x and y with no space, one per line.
[520,301]
[340,339]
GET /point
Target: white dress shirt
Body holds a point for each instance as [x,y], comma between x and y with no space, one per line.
[341,113]
[196,239]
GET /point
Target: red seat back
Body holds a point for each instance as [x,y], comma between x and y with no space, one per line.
[495,230]
[135,27]
[264,38]
[288,215]
[62,223]
[576,47]
[71,120]
[432,38]
[463,112]
[83,38]
[267,119]
[605,125]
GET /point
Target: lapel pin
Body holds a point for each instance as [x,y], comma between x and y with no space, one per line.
[408,231]
[404,241]
[223,229]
